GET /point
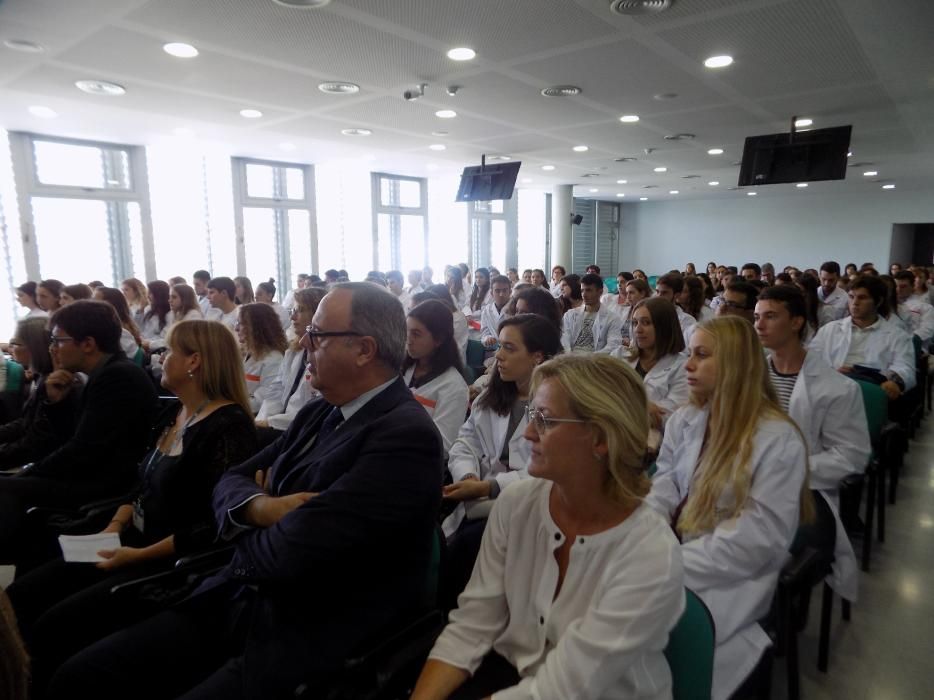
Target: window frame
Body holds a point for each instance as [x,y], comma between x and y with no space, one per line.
[395,212]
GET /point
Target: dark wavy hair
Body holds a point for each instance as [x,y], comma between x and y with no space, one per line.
[159,306]
[540,303]
[478,293]
[437,318]
[538,335]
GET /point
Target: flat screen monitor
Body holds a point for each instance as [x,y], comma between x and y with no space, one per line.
[817,154]
[482,183]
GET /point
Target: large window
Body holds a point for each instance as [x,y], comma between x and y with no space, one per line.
[84,209]
[274,209]
[493,233]
[400,222]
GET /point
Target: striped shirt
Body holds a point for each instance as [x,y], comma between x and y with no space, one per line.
[784,384]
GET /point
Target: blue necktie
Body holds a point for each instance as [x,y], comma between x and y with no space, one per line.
[333,419]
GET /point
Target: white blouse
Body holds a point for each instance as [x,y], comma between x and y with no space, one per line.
[261,374]
[603,636]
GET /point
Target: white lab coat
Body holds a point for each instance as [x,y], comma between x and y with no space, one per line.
[405,300]
[666,384]
[279,409]
[688,324]
[828,409]
[734,569]
[445,399]
[474,315]
[838,301]
[128,344]
[607,329]
[477,449]
[918,315]
[461,333]
[490,318]
[260,375]
[888,348]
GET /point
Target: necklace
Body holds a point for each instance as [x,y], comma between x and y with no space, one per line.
[180,434]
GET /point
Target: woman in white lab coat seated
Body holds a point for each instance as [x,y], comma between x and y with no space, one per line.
[158,315]
[291,389]
[263,343]
[433,369]
[732,477]
[657,356]
[130,338]
[265,293]
[636,291]
[184,304]
[578,582]
[692,300]
[439,291]
[480,294]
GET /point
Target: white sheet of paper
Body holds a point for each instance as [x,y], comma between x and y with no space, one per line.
[84,548]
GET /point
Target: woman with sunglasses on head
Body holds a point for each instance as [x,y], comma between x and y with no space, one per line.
[732,478]
[578,582]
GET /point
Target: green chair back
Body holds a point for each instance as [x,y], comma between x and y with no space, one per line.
[14,376]
[611,285]
[876,403]
[652,280]
[690,651]
[475,353]
[139,357]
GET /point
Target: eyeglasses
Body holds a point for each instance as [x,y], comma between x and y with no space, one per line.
[61,339]
[542,424]
[734,305]
[315,336]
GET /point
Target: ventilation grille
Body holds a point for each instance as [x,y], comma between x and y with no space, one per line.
[561,91]
[640,7]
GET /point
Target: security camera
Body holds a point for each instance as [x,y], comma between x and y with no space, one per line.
[410,95]
[453,89]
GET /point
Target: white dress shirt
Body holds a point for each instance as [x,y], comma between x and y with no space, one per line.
[882,346]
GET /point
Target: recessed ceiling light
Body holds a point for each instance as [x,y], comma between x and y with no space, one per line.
[629,118]
[183,131]
[715,151]
[339,88]
[43,112]
[250,113]
[803,122]
[581,149]
[661,170]
[23,45]
[445,114]
[100,87]
[561,91]
[713,183]
[672,191]
[802,185]
[303,4]
[356,132]
[870,173]
[888,187]
[643,199]
[665,96]
[548,167]
[462,54]
[526,180]
[438,147]
[180,50]
[593,189]
[287,146]
[620,194]
[718,61]
[751,194]
[439,133]
[622,182]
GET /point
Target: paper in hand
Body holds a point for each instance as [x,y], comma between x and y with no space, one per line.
[85,548]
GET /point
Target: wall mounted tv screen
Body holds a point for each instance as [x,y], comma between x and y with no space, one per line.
[817,154]
[481,183]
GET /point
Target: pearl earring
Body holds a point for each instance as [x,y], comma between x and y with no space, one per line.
[191,375]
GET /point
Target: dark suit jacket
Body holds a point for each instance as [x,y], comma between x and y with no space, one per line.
[352,561]
[116,412]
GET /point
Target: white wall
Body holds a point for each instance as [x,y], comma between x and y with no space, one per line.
[802,230]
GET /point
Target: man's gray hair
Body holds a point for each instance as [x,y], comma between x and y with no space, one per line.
[378,313]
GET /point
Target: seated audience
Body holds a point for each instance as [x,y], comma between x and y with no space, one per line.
[266,294]
[461,332]
[115,415]
[732,477]
[350,491]
[751,272]
[867,346]
[557,274]
[601,576]
[222,295]
[243,290]
[670,287]
[495,311]
[480,295]
[75,292]
[199,282]
[292,388]
[131,340]
[158,315]
[184,304]
[62,607]
[263,343]
[739,299]
[454,281]
[827,407]
[48,293]
[916,314]
[41,426]
[395,282]
[570,296]
[636,291]
[640,275]
[415,283]
[433,369]
[768,273]
[818,313]
[657,356]
[692,301]
[829,291]
[136,298]
[618,302]
[26,296]
[923,290]
[591,327]
[14,660]
[512,274]
[527,276]
[538,278]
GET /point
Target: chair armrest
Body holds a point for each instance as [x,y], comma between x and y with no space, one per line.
[800,568]
[216,557]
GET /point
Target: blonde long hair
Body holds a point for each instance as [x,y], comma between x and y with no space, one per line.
[221,373]
[607,393]
[742,398]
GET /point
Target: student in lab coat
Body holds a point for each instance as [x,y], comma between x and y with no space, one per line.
[917,314]
[867,339]
[591,327]
[636,291]
[657,356]
[732,477]
[670,287]
[827,407]
[495,311]
[480,294]
[263,343]
[433,369]
[461,331]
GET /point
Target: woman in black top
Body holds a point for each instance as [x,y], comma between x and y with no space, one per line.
[63,607]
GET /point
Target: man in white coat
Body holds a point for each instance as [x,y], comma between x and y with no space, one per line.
[827,407]
[591,327]
[916,314]
[829,292]
[670,287]
[866,341]
[396,283]
[492,314]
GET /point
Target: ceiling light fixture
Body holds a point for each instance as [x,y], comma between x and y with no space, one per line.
[622,182]
[801,185]
[100,87]
[803,122]
[303,4]
[462,54]
[888,187]
[180,50]
[661,170]
[580,149]
[718,61]
[561,91]
[445,114]
[629,118]
[250,113]
[439,133]
[23,45]
[639,7]
[662,96]
[713,183]
[593,189]
[338,87]
[620,194]
[870,173]
[751,194]
[715,151]
[438,147]
[43,112]
[673,192]
[548,167]
[356,132]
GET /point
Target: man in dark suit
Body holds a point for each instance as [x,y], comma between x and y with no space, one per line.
[115,417]
[333,526]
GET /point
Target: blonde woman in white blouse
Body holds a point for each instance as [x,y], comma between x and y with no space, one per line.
[578,582]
